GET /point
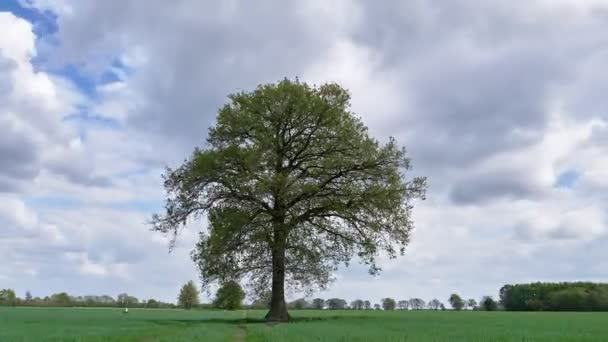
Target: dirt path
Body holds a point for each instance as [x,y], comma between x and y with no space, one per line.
[240,334]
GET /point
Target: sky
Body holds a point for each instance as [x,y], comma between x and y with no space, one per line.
[501,104]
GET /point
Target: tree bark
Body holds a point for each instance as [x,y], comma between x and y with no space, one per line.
[278,307]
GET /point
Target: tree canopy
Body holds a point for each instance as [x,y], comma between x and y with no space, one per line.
[229,296]
[388,304]
[456,302]
[188,296]
[293,185]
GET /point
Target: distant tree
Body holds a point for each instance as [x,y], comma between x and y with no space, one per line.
[564,296]
[403,304]
[188,296]
[357,304]
[388,304]
[417,303]
[262,301]
[28,297]
[471,303]
[292,184]
[229,296]
[442,307]
[61,299]
[377,307]
[133,301]
[367,305]
[8,297]
[152,303]
[299,304]
[456,302]
[336,304]
[488,303]
[122,300]
[318,303]
[434,304]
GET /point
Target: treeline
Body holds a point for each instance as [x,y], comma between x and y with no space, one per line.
[63,299]
[579,296]
[455,301]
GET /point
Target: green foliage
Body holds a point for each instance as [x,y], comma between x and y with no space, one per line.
[152,304]
[578,296]
[293,185]
[471,303]
[61,299]
[299,304]
[336,304]
[8,297]
[388,304]
[487,303]
[229,296]
[188,296]
[456,302]
[124,300]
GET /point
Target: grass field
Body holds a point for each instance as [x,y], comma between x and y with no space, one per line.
[76,324]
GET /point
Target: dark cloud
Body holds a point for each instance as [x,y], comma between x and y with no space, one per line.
[484,188]
[19,155]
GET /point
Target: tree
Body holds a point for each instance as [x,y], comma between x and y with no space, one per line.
[122,299]
[403,304]
[152,303]
[377,307]
[8,297]
[229,296]
[388,304]
[263,300]
[299,304]
[336,304]
[318,304]
[456,302]
[488,303]
[293,185]
[357,304]
[61,299]
[367,305]
[416,303]
[188,296]
[471,303]
[28,297]
[434,304]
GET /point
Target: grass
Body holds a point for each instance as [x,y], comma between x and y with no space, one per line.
[76,324]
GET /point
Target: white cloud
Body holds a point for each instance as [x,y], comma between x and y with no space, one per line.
[494,103]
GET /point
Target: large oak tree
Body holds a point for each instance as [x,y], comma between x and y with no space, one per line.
[292,185]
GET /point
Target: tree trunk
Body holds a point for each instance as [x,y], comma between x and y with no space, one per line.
[278,308]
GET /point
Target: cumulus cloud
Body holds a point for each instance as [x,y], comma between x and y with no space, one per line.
[494,103]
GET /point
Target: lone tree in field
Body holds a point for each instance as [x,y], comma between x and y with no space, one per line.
[471,303]
[456,302]
[293,185]
[229,296]
[188,296]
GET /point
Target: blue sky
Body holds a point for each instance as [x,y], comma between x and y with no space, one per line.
[501,107]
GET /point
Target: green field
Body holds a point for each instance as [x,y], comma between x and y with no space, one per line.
[76,324]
